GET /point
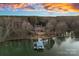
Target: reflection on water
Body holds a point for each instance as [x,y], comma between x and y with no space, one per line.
[62,46]
[67,47]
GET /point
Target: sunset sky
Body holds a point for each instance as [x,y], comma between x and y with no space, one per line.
[43,8]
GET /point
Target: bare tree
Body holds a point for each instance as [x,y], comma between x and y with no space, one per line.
[50,26]
[61,28]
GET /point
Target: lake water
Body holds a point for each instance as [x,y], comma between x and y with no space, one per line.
[57,47]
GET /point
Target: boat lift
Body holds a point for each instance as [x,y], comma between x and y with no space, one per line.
[39,44]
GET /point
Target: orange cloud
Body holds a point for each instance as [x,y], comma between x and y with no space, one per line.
[20,5]
[62,7]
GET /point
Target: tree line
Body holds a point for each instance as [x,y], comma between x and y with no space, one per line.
[22,26]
